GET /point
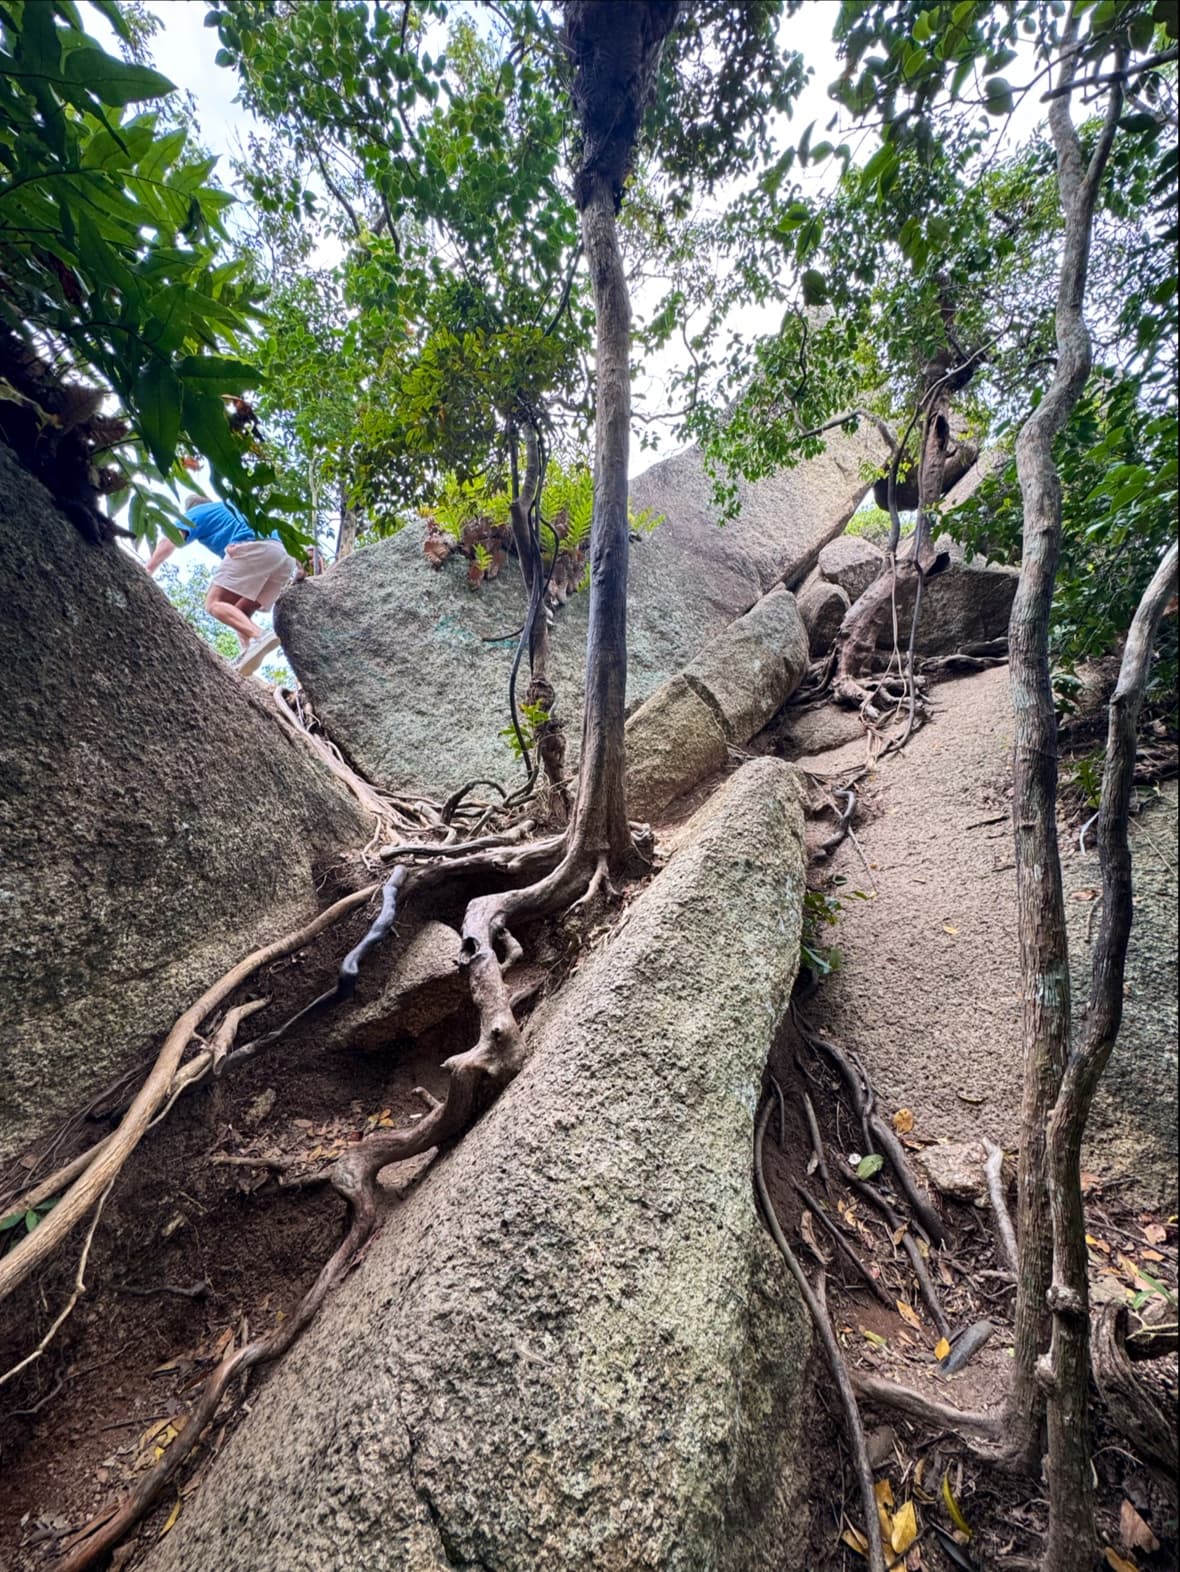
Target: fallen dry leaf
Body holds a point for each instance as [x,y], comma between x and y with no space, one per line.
[1097,1244]
[909,1314]
[875,1338]
[905,1528]
[170,1520]
[1134,1532]
[954,1510]
[942,1348]
[903,1121]
[1113,1559]
[1151,1255]
[946,928]
[855,1540]
[1082,895]
[883,1491]
[1155,1233]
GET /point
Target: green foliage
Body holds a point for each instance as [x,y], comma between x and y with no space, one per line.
[16,1225]
[531,717]
[870,523]
[112,254]
[820,911]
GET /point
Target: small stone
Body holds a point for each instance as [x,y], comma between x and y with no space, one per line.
[956,1169]
[259,1109]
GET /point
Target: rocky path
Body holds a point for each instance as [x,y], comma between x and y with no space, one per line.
[927,988]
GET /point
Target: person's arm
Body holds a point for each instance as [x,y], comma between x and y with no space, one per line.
[164,549]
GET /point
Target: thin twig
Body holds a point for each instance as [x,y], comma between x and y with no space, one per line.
[78,1291]
[817,1145]
[842,1244]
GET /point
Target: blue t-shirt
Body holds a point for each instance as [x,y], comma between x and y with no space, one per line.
[216,525]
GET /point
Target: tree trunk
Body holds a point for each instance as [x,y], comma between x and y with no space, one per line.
[1072,1539]
[1044,959]
[540,694]
[615,51]
[349,523]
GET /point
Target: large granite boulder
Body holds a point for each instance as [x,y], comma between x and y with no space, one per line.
[726,693]
[572,1345]
[851,562]
[156,822]
[393,653]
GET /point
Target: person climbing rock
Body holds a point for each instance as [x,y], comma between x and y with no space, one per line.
[252,571]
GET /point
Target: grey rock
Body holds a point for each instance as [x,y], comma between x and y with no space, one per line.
[392,653]
[414,988]
[803,733]
[156,822]
[822,607]
[673,740]
[955,1168]
[754,665]
[572,1346]
[969,603]
[852,563]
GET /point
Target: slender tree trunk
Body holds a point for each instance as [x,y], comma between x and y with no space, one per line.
[349,522]
[615,52]
[1044,959]
[540,694]
[1072,1538]
[600,808]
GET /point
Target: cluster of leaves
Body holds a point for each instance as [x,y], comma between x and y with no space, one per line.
[111,254]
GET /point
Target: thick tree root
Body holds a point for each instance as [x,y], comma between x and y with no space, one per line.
[1132,1408]
[109,1158]
[476,1078]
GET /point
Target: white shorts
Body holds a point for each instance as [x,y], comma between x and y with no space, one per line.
[258,570]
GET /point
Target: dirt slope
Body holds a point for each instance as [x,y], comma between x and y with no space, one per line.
[927,989]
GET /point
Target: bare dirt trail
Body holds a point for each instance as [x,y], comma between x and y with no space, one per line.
[927,987]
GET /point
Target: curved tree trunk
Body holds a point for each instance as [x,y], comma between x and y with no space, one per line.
[1044,960]
[349,523]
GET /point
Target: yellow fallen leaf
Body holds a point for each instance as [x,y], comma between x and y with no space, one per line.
[153,1431]
[953,1507]
[875,1338]
[942,1348]
[909,1315]
[170,1521]
[905,1528]
[883,1491]
[946,928]
[1119,1563]
[855,1540]
[884,1494]
[903,1121]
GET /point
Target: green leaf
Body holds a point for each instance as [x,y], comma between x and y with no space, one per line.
[157,396]
[114,82]
[31,1220]
[10,1221]
[868,1166]
[815,288]
[218,374]
[998,95]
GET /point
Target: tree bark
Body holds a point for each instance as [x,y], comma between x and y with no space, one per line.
[1072,1538]
[349,524]
[615,50]
[1044,960]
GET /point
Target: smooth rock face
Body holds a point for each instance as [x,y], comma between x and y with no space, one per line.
[572,1346]
[852,563]
[673,740]
[754,665]
[391,652]
[727,693]
[822,607]
[417,985]
[155,822]
[970,603]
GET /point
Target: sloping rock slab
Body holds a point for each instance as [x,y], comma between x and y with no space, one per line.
[572,1346]
[970,603]
[156,823]
[393,653]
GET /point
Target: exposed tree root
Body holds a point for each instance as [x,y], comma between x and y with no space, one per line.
[880,1131]
[1133,1409]
[898,1229]
[108,1159]
[985,1428]
[830,1228]
[817,1307]
[994,1171]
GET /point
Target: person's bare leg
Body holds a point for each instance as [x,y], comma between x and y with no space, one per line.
[230,609]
